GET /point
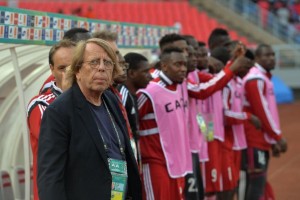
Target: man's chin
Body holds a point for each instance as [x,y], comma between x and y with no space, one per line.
[271,68]
[145,85]
[180,81]
[191,69]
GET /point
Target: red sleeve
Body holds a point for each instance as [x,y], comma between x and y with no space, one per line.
[206,89]
[34,120]
[232,117]
[255,90]
[146,115]
[144,105]
[204,77]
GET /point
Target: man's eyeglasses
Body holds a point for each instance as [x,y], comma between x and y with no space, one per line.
[94,64]
[124,65]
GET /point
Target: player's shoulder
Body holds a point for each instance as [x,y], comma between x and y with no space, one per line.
[122,89]
[45,99]
[47,84]
[40,100]
[154,72]
[190,81]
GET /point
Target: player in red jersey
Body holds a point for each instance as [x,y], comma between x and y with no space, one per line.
[260,100]
[60,56]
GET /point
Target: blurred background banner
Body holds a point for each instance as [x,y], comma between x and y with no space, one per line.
[32,27]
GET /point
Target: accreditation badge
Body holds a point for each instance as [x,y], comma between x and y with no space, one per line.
[201,123]
[206,127]
[210,131]
[210,127]
[118,170]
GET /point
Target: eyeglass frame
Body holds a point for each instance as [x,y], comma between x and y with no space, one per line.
[97,65]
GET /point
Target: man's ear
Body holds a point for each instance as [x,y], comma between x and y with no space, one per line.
[51,67]
[130,73]
[163,66]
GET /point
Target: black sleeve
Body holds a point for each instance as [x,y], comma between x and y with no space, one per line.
[132,113]
[52,155]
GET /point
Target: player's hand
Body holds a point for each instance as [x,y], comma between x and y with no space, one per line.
[66,80]
[255,121]
[283,145]
[276,150]
[214,65]
[238,51]
[241,62]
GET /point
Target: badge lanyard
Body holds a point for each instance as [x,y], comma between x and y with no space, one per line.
[116,132]
[118,168]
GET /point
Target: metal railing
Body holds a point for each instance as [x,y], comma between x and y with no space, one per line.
[287,56]
[263,18]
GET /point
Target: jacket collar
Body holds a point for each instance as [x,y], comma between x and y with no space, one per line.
[258,66]
[84,112]
[87,118]
[55,90]
[265,72]
[165,79]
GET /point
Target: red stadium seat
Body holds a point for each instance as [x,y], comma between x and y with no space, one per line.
[164,13]
[3,3]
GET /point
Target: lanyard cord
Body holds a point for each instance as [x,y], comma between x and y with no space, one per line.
[115,130]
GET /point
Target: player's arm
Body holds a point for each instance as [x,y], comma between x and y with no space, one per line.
[144,105]
[215,83]
[204,90]
[232,117]
[255,90]
[34,118]
[147,119]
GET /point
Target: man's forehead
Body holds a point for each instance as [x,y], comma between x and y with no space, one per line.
[267,50]
[180,42]
[143,65]
[225,40]
[63,52]
[70,48]
[202,50]
[94,47]
[93,51]
[191,49]
[178,56]
[193,42]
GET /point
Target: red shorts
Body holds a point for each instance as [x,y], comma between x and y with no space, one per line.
[229,180]
[237,156]
[158,185]
[211,169]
